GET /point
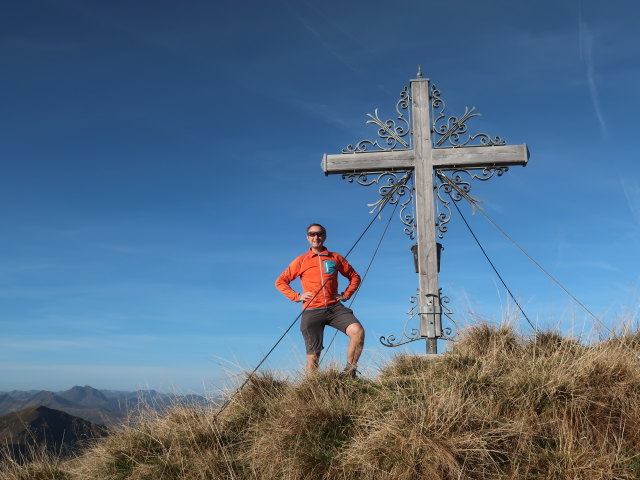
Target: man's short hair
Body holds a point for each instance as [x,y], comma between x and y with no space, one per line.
[324,230]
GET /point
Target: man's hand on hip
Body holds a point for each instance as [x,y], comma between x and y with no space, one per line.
[306,296]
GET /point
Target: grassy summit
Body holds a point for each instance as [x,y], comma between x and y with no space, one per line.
[497,406]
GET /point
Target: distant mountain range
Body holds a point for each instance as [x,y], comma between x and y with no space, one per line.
[34,428]
[102,407]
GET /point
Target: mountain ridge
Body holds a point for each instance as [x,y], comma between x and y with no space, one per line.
[38,427]
[102,407]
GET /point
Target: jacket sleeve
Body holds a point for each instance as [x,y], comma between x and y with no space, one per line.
[354,279]
[286,277]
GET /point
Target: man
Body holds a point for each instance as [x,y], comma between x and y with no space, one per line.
[318,271]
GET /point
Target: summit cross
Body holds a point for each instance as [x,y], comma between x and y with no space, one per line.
[436,148]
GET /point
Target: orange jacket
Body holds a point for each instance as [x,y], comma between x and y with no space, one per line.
[318,272]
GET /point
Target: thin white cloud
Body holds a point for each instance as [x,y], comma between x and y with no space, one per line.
[586,55]
[591,265]
[180,44]
[122,341]
[324,112]
[18,268]
[340,43]
[44,344]
[327,46]
[631,190]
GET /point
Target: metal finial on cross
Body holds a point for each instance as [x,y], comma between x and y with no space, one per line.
[415,145]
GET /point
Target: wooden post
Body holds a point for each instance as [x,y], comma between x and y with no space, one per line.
[428,298]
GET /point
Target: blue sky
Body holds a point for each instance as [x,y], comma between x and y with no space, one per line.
[160,161]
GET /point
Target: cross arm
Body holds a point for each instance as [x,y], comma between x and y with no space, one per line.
[367,161]
[443,158]
[480,156]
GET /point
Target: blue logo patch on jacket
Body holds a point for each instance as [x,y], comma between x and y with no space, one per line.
[329,266]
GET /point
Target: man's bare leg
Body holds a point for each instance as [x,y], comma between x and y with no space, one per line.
[355,333]
[312,363]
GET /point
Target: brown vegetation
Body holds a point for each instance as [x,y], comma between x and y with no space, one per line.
[496,406]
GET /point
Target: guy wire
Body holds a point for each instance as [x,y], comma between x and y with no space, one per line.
[353,299]
[472,201]
[491,263]
[383,203]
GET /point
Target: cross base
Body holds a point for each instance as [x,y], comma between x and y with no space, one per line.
[432,345]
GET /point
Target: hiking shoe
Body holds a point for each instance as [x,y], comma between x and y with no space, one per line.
[349,371]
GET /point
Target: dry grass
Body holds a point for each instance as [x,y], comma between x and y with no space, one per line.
[37,464]
[496,406]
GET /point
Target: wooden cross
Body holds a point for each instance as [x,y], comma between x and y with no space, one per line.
[425,157]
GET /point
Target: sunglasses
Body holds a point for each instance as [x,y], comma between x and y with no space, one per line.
[315,234]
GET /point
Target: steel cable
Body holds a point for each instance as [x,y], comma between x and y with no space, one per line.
[353,299]
[492,265]
[473,203]
[383,203]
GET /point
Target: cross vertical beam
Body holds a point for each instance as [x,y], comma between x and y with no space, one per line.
[428,296]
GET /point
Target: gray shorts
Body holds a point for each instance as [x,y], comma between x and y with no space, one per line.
[313,322]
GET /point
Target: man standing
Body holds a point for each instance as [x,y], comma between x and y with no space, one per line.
[318,271]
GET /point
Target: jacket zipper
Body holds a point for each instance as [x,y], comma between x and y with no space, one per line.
[322,282]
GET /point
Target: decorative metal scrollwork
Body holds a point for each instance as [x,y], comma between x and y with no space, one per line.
[453,128]
[391,190]
[406,337]
[393,134]
[450,332]
[412,334]
[457,186]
